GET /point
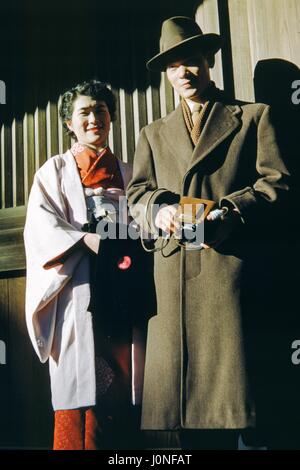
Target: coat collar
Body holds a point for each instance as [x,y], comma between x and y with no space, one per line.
[222,121]
[74,189]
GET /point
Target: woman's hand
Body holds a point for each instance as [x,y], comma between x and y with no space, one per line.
[92,242]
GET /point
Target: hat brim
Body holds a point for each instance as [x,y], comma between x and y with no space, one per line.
[205,44]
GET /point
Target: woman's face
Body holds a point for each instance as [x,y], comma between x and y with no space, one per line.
[90,121]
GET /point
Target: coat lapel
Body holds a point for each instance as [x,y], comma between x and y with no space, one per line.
[222,121]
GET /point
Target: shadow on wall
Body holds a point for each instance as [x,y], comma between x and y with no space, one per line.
[277,83]
[277,378]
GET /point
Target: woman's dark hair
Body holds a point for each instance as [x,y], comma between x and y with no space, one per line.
[95,89]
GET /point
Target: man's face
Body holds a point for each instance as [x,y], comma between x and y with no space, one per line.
[90,121]
[190,77]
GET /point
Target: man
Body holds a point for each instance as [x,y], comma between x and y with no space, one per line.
[201,374]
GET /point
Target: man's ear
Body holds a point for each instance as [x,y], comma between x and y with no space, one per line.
[211,60]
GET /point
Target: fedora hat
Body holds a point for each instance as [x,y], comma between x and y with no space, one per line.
[181,38]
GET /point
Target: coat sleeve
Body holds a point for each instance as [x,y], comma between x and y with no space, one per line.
[271,185]
[142,192]
[52,254]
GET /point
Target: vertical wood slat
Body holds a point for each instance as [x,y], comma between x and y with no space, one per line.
[52,129]
[142,110]
[16,108]
[122,123]
[207,16]
[17,163]
[137,79]
[162,96]
[20,194]
[63,139]
[2,167]
[29,158]
[129,125]
[243,63]
[156,105]
[149,105]
[13,162]
[116,132]
[136,117]
[60,129]
[169,94]
[40,136]
[4,389]
[7,168]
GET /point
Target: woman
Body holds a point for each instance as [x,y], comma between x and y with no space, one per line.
[81,321]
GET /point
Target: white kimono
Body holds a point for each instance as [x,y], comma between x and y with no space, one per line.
[58,295]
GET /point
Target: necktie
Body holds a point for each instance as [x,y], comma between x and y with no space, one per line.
[195,112]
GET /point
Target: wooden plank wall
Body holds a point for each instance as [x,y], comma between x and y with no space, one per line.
[51,51]
[30,129]
[26,417]
[253,30]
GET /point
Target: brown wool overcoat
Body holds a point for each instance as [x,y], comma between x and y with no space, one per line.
[200,361]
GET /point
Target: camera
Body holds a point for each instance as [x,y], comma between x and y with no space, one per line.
[191,215]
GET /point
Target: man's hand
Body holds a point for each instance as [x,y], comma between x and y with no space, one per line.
[165,219]
[224,227]
[92,242]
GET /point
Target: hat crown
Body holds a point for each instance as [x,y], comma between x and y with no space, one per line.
[181,38]
[177,29]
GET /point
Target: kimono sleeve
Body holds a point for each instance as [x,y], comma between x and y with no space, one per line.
[52,255]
